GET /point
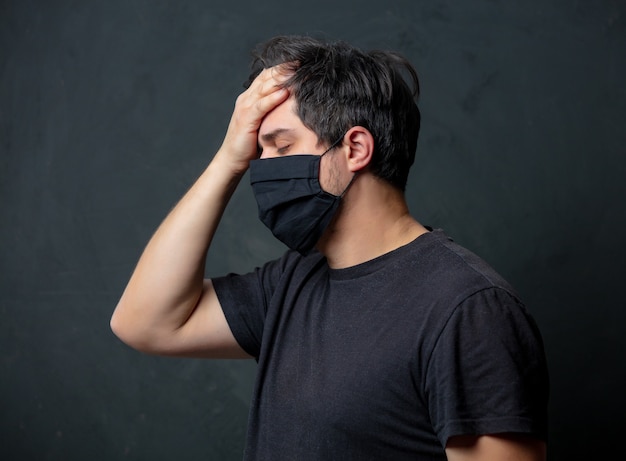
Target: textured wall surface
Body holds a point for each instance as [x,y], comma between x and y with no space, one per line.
[110,110]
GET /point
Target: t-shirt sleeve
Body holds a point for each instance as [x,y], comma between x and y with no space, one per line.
[244,300]
[487,373]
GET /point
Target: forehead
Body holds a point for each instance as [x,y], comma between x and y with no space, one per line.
[282,118]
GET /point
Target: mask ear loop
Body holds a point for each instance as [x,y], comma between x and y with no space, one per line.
[332,146]
[349,184]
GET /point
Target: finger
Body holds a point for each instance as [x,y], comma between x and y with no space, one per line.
[271,79]
[267,103]
[282,72]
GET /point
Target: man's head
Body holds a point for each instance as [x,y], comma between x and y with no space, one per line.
[337,86]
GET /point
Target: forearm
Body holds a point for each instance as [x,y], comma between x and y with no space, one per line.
[167,282]
[165,307]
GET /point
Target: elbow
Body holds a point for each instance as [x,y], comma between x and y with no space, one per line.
[131,338]
[117,325]
[131,327]
[120,328]
[128,331]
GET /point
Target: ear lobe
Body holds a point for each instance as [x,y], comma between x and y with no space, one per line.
[361,144]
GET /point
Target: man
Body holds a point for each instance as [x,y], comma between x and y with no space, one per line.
[376,338]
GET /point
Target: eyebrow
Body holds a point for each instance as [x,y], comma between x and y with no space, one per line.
[272,135]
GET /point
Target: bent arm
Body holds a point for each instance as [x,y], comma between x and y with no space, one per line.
[166,301]
[167,307]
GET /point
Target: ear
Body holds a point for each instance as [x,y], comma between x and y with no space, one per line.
[360,143]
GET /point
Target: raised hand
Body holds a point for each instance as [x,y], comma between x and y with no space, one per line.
[263,95]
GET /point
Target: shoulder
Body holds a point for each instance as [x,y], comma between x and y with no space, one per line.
[444,273]
[271,275]
[464,264]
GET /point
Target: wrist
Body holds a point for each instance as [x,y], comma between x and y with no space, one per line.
[226,162]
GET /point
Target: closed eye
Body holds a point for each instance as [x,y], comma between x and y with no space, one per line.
[283,149]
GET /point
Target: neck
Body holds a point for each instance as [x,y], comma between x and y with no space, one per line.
[373,220]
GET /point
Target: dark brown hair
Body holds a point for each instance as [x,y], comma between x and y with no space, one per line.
[337,86]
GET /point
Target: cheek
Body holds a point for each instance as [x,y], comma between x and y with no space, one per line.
[332,175]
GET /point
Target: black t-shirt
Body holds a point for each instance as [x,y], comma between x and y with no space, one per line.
[386,359]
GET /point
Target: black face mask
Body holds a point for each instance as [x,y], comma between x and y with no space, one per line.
[291,201]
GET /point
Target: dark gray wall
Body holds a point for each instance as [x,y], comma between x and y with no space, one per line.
[109,110]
